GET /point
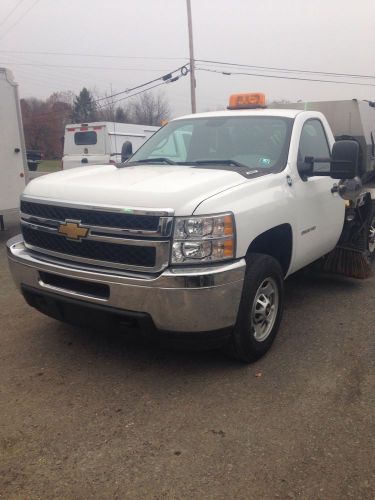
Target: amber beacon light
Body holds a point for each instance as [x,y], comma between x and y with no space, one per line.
[247,101]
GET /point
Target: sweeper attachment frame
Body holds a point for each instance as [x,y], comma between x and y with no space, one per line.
[356,249]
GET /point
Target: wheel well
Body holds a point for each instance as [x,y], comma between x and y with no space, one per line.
[276,242]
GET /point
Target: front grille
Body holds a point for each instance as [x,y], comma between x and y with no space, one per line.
[92,217]
[89,249]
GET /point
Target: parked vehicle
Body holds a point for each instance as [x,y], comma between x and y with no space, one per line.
[13,166]
[197,232]
[34,157]
[102,142]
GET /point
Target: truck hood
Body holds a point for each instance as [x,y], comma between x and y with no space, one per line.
[181,188]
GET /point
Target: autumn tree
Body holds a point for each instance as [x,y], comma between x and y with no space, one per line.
[45,120]
[44,123]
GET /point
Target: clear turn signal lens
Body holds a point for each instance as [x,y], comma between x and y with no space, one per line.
[223,226]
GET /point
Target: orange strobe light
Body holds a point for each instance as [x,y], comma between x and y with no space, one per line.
[247,101]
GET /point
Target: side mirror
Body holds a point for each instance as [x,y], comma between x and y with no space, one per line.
[126,151]
[306,168]
[344,160]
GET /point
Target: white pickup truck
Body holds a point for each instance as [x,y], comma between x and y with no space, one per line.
[196,232]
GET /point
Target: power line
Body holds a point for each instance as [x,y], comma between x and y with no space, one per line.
[133,95]
[79,67]
[227,73]
[166,79]
[283,70]
[61,74]
[48,53]
[20,18]
[220,63]
[11,12]
[62,111]
[137,93]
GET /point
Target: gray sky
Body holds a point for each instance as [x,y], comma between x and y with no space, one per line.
[151,35]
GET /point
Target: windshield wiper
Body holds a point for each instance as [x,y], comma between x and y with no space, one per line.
[153,160]
[219,162]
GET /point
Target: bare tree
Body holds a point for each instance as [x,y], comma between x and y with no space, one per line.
[109,113]
[106,109]
[149,109]
[65,96]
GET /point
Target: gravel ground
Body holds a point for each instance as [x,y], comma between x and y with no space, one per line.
[104,415]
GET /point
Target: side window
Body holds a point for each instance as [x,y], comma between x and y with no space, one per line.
[313,142]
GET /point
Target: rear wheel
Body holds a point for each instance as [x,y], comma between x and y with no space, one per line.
[260,308]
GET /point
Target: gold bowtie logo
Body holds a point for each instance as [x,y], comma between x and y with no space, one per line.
[73,230]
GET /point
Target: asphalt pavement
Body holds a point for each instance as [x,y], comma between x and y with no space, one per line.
[105,415]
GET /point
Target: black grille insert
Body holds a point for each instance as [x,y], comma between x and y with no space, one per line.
[89,249]
[92,217]
[71,284]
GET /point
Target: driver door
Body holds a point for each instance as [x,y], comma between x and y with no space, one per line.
[321,213]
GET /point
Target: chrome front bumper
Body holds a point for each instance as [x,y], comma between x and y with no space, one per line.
[179,299]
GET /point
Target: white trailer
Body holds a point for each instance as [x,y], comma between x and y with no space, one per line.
[102,142]
[13,164]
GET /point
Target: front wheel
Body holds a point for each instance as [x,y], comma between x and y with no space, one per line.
[260,309]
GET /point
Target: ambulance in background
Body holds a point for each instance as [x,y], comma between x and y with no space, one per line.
[102,142]
[13,165]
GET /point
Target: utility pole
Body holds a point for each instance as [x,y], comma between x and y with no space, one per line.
[192,62]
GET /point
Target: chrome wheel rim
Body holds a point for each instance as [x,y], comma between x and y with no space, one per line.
[264,310]
[371,236]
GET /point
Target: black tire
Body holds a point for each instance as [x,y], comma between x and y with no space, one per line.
[244,345]
[33,167]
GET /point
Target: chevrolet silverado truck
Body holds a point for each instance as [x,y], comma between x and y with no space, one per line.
[195,234]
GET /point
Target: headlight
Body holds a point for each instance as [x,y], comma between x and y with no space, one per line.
[206,239]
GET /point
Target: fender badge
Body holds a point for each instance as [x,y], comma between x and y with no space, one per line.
[308,230]
[73,230]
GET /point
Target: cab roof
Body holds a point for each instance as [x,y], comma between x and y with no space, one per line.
[287,113]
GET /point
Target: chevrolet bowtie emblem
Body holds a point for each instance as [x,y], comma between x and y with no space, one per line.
[73,230]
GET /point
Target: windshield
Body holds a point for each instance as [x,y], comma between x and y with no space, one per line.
[251,141]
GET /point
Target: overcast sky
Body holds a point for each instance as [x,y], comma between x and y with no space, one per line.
[149,38]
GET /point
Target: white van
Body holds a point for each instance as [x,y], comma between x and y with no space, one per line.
[13,164]
[102,142]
